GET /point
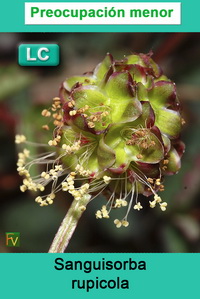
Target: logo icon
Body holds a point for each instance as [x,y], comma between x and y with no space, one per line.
[38,55]
[13,239]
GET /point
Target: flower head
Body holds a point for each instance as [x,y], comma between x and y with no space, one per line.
[116,130]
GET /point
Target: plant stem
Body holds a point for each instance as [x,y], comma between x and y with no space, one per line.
[69,225]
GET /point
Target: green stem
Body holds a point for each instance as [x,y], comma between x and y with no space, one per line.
[69,225]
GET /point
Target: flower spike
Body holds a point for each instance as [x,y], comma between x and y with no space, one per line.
[117,131]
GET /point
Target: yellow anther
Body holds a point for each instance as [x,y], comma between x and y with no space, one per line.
[118,223]
[91,124]
[73,174]
[125,223]
[20,139]
[85,186]
[70,104]
[98,214]
[49,200]
[65,186]
[26,153]
[38,199]
[52,142]
[157,198]
[46,113]
[158,182]
[138,206]
[152,204]
[163,206]
[56,99]
[106,179]
[150,180]
[120,203]
[72,113]
[23,188]
[40,187]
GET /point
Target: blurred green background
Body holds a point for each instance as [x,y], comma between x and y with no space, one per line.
[25,91]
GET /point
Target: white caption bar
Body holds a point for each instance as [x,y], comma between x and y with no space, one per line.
[102,13]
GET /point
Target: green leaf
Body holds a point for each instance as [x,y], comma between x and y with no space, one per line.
[131,112]
[120,86]
[104,120]
[135,59]
[114,136]
[117,138]
[122,156]
[146,119]
[103,67]
[70,161]
[84,80]
[142,93]
[68,136]
[92,163]
[106,155]
[90,96]
[116,142]
[97,102]
[153,154]
[156,69]
[163,94]
[124,106]
[162,78]
[78,121]
[168,121]
[174,162]
[167,143]
[139,74]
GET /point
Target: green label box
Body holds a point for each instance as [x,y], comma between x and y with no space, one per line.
[12,239]
[38,55]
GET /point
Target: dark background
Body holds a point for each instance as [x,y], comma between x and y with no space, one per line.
[25,91]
